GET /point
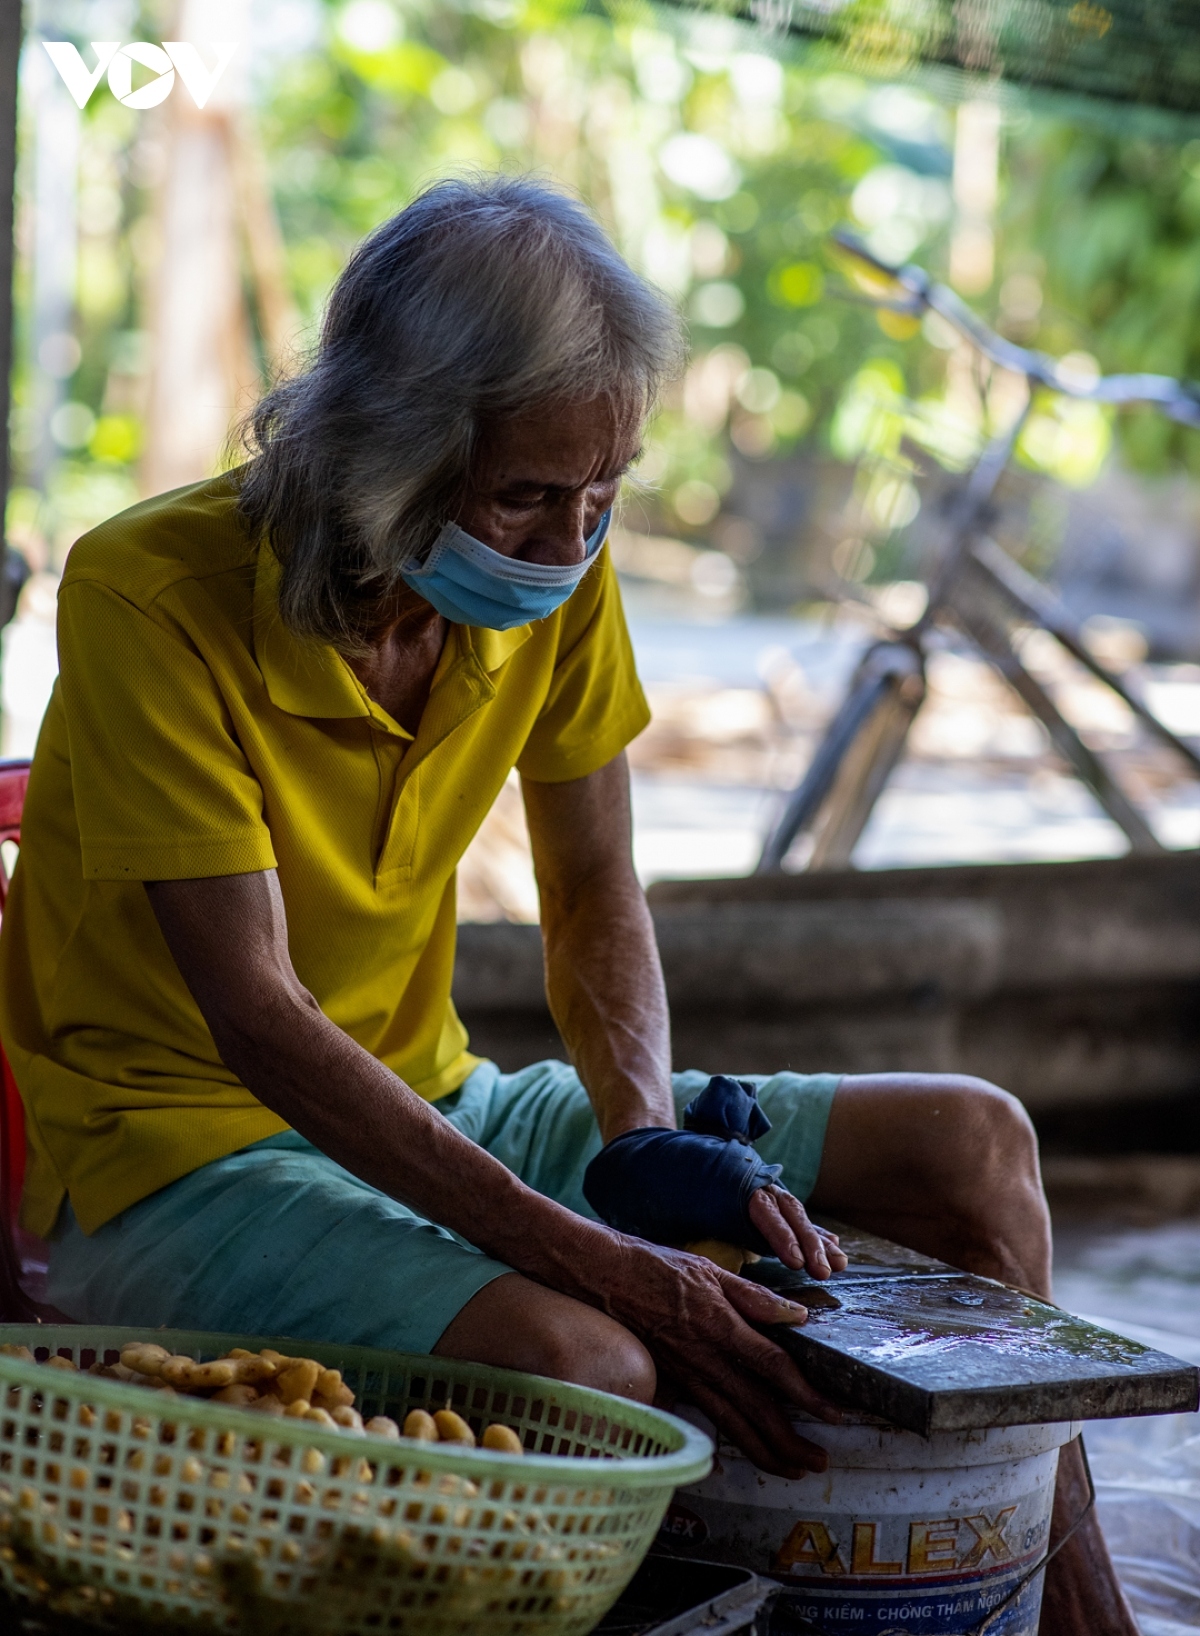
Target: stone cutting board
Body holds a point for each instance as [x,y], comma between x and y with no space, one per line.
[930,1348]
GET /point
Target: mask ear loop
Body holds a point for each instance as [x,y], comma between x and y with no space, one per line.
[434,555]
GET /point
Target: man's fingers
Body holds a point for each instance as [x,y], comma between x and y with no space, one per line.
[773,1365]
[783,1221]
[819,1248]
[699,1325]
[768,1360]
[838,1259]
[766,1216]
[762,1431]
[759,1305]
[815,1250]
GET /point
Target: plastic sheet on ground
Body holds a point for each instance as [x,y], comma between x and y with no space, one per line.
[1147,1475]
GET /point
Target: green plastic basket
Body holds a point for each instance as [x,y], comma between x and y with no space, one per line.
[134,1512]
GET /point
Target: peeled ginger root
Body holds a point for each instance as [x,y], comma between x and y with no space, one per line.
[269,1382]
[726,1256]
[452,1428]
[421,1425]
[502,1438]
[447,1427]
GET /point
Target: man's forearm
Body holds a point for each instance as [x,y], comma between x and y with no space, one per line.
[348,1104]
[228,937]
[605,987]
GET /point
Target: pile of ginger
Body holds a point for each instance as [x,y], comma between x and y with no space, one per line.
[272,1383]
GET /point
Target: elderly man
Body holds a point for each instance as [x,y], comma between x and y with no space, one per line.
[287,699]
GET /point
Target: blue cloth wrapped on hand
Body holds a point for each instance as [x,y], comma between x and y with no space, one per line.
[727,1108]
[680,1186]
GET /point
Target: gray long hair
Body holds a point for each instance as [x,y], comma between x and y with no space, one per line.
[483,298]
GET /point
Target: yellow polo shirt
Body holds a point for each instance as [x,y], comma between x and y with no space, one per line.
[191,735]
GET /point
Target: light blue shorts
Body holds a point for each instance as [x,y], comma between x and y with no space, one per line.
[277,1239]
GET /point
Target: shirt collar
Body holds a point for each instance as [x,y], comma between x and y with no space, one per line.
[303,678]
[312,678]
[493,648]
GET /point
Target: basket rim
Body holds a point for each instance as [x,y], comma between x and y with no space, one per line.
[686,1464]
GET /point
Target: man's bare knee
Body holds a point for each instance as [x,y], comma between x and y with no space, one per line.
[598,1352]
[979,1137]
[517,1324]
[982,1173]
[945,1163]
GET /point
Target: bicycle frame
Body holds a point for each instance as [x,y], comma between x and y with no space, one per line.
[982,591]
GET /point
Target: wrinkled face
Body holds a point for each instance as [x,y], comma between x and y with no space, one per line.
[543,480]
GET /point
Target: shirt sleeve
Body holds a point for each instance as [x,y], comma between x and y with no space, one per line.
[162,789]
[595,705]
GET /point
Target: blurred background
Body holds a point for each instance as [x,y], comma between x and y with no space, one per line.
[171,259]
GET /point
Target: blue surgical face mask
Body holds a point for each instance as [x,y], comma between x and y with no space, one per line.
[470,584]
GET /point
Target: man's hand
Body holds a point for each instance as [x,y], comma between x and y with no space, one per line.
[677,1186]
[690,1186]
[783,1222]
[696,1320]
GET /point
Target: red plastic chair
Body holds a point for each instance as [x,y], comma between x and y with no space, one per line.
[15,1305]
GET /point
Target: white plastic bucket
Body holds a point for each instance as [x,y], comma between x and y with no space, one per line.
[902,1536]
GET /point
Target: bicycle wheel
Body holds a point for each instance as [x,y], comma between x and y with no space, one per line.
[854,760]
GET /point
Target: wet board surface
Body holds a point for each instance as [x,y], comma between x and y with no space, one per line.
[931,1348]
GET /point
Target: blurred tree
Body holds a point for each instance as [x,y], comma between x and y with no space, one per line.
[718,166]
[1102,253]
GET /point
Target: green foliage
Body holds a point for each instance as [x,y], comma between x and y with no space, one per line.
[1110,229]
[719,168]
